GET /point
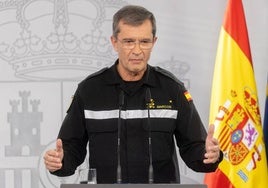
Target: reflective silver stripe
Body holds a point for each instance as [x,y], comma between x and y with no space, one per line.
[131,114]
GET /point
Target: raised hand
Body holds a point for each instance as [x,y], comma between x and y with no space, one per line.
[212,147]
[53,158]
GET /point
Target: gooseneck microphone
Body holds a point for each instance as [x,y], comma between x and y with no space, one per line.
[151,170]
[121,103]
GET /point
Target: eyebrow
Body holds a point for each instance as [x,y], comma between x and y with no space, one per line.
[136,39]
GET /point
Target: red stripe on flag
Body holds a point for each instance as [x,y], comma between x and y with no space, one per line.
[223,137]
[225,143]
[217,178]
[235,14]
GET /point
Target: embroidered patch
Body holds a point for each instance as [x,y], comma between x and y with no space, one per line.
[188,96]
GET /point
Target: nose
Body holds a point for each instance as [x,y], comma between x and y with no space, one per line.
[137,49]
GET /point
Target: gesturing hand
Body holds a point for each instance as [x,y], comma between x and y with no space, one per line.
[53,158]
[212,147]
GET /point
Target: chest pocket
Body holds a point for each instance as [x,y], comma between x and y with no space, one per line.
[102,136]
[162,138]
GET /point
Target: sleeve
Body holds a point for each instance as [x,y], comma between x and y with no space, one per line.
[191,135]
[74,138]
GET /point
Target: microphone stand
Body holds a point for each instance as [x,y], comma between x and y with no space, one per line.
[119,173]
[151,170]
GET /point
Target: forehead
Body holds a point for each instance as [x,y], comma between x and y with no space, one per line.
[140,31]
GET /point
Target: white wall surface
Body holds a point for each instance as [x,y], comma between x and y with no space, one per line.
[47,47]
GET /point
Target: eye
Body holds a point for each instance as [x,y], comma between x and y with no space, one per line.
[145,41]
[128,41]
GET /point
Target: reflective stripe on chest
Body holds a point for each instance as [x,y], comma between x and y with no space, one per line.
[131,114]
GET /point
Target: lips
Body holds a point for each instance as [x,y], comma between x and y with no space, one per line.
[135,60]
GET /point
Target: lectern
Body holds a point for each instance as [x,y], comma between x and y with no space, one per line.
[133,186]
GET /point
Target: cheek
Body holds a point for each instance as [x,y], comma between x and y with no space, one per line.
[147,55]
[115,48]
[123,53]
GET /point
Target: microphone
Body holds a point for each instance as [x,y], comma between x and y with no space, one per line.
[151,170]
[121,103]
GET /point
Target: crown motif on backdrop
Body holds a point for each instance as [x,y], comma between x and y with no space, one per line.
[179,68]
[44,39]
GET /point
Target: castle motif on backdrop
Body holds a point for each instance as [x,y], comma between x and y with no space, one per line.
[24,127]
[25,143]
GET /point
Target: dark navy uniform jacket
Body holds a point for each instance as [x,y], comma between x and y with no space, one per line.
[93,118]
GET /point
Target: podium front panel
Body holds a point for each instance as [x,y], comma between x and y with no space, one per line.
[133,186]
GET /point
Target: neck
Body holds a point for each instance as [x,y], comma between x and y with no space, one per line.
[130,75]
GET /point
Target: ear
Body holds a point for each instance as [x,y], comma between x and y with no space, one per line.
[155,39]
[114,43]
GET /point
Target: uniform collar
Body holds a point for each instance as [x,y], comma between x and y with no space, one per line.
[113,77]
[150,77]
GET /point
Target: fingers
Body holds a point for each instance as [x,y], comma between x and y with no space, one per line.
[212,147]
[212,152]
[53,158]
[212,155]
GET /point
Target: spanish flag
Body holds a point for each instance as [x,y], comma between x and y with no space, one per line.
[234,108]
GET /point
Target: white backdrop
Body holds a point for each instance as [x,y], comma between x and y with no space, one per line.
[48,46]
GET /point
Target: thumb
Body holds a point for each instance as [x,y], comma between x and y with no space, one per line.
[59,145]
[211,131]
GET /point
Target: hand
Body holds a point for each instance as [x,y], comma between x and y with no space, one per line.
[53,158]
[212,147]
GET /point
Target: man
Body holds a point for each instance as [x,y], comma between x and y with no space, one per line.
[129,114]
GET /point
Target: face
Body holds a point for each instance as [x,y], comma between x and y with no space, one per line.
[133,62]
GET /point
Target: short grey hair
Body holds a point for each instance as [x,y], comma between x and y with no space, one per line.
[132,15]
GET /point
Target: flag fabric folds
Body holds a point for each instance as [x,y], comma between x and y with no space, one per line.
[265,124]
[234,108]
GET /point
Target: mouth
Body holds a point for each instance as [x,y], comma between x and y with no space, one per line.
[135,60]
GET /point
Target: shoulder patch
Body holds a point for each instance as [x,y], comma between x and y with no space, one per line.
[188,96]
[168,74]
